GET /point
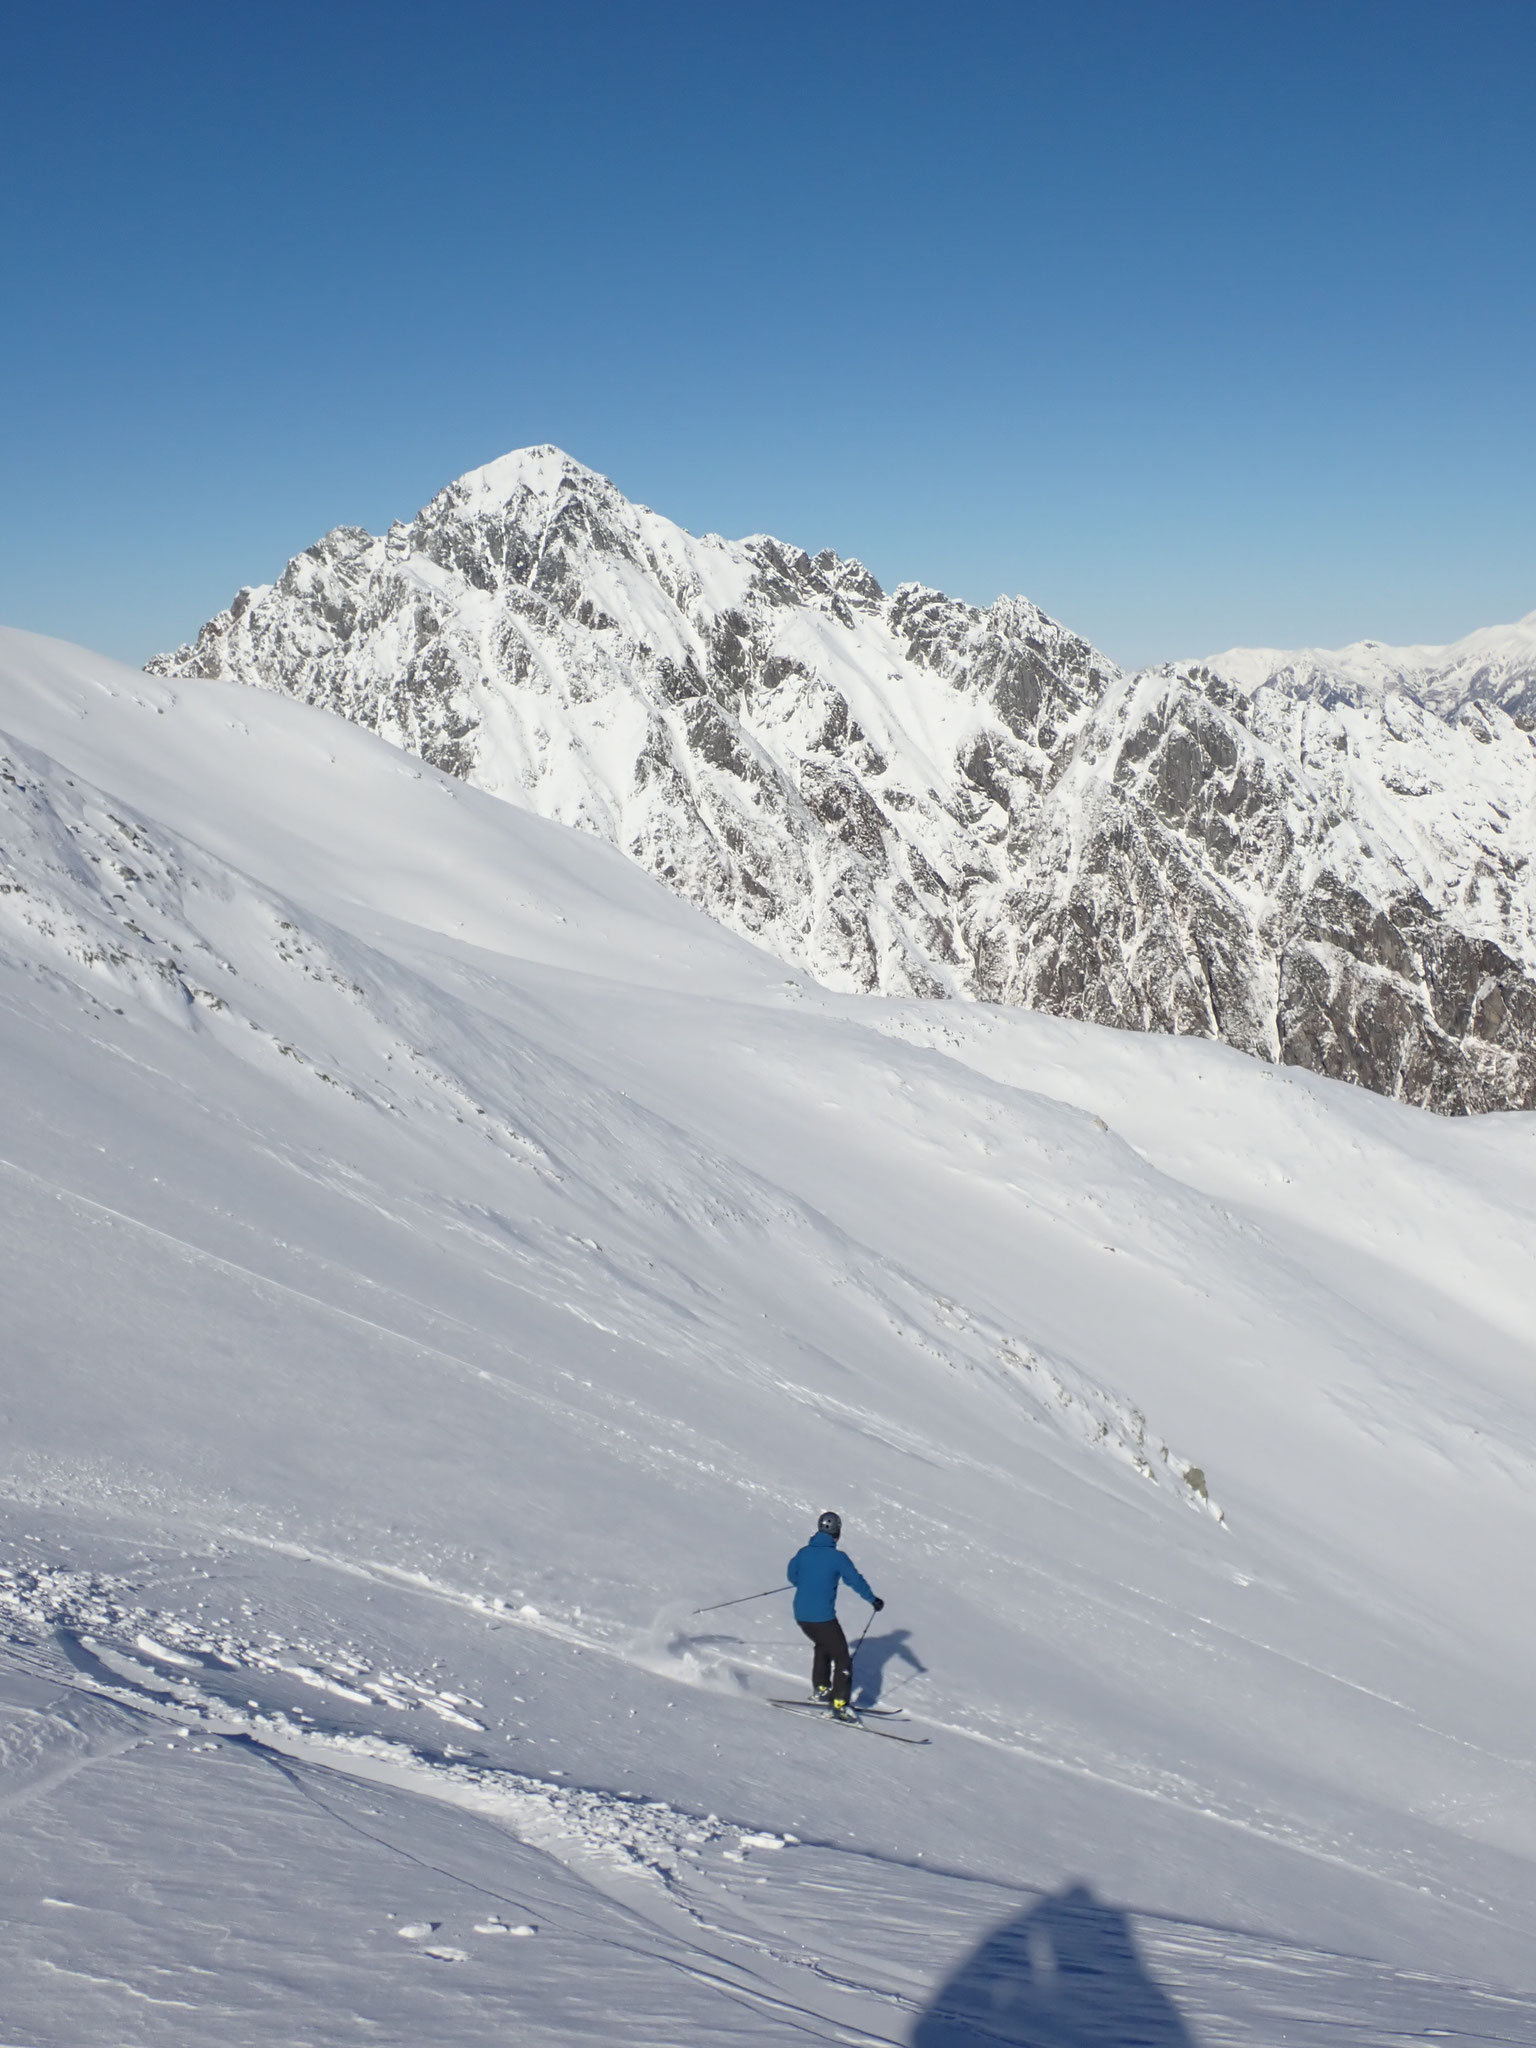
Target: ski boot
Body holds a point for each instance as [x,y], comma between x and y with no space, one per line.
[841,1711]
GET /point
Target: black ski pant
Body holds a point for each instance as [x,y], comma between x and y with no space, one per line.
[832,1664]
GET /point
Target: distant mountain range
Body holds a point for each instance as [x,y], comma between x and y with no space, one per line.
[1495,666]
[1321,858]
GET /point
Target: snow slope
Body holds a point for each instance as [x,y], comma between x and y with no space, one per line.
[905,793]
[438,1259]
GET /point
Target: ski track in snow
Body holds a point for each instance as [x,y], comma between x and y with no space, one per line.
[165,1655]
[701,1868]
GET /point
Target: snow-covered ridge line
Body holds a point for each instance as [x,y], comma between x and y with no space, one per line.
[1496,664]
[903,793]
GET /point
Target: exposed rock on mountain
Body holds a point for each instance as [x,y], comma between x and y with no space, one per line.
[903,792]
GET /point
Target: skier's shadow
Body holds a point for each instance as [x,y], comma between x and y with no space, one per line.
[1065,1974]
[871,1658]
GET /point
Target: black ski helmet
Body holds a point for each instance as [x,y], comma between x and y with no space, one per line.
[831,1523]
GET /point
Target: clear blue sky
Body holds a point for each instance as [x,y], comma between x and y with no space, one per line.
[1199,323]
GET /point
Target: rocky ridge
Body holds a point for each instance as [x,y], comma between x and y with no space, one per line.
[904,793]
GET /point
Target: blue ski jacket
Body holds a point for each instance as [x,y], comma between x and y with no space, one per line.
[814,1573]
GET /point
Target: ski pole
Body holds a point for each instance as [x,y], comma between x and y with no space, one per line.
[856,1649]
[742,1601]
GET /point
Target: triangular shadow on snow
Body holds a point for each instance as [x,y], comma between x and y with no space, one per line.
[1066,1974]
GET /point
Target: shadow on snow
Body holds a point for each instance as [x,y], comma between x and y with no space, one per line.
[1066,1974]
[872,1657]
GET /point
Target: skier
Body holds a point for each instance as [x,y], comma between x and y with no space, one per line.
[814,1573]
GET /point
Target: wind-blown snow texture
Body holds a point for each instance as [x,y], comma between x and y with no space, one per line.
[437,1259]
[903,793]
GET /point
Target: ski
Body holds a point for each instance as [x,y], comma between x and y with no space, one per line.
[822,1707]
[885,1734]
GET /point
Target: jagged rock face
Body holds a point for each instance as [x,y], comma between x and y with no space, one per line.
[908,794]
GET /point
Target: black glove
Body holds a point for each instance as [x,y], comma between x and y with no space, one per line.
[878,1605]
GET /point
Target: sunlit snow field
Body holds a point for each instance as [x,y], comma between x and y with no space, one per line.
[437,1261]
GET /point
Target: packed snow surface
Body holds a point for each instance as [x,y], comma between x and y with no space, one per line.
[439,1260]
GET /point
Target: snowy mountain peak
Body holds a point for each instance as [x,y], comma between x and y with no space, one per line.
[905,793]
[542,470]
[528,484]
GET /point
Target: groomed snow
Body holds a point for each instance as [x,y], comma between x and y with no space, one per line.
[438,1260]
